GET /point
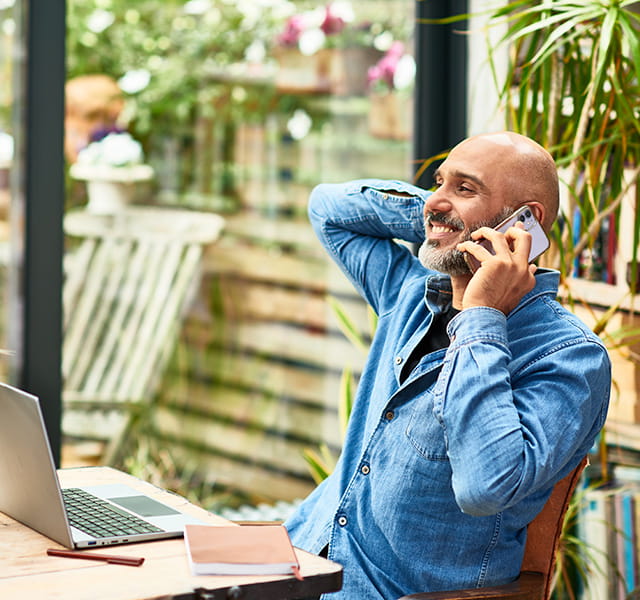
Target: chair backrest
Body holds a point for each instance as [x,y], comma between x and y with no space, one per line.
[543,533]
[129,283]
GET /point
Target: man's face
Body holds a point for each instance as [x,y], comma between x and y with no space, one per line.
[439,257]
[473,186]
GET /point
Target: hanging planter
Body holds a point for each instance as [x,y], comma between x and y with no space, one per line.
[391,82]
[324,50]
[348,68]
[302,72]
[391,115]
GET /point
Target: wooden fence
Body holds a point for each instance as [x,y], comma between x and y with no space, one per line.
[255,380]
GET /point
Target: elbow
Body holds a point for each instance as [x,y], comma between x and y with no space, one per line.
[477,506]
[318,200]
[483,498]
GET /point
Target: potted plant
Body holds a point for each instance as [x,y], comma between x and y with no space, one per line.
[325,49]
[573,83]
[113,167]
[391,82]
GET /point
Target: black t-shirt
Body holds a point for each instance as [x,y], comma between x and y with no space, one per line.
[435,339]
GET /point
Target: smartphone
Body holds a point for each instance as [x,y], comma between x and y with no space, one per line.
[539,239]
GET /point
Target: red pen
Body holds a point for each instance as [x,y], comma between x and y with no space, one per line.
[108,558]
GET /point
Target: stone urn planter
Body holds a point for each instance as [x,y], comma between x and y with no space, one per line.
[110,189]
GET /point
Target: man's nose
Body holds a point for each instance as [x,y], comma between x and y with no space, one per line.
[437,202]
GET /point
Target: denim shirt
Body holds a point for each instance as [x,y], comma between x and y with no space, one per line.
[442,471]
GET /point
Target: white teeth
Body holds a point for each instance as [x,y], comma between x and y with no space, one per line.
[440,229]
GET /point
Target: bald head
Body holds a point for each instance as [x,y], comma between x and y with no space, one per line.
[529,171]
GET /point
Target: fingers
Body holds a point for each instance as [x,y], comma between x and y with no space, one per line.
[514,244]
[518,241]
[504,277]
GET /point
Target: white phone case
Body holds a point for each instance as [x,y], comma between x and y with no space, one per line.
[539,239]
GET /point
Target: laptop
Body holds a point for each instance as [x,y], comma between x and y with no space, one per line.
[30,491]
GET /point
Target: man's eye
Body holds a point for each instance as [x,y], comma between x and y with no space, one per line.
[465,188]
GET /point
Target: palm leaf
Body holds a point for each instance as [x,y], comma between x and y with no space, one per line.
[321,462]
[345,405]
[347,326]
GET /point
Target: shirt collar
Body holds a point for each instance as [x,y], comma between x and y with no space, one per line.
[438,293]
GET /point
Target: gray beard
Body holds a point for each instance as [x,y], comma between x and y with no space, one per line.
[452,262]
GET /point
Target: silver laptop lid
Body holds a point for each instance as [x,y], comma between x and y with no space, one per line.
[29,487]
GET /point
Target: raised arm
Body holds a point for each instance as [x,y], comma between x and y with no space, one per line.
[359,222]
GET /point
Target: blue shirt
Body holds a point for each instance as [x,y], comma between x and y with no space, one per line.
[441,472]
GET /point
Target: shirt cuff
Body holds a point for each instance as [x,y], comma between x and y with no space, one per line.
[480,323]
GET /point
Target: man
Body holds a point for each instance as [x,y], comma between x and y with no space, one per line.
[480,391]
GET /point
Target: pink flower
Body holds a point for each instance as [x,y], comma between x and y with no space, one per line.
[385,68]
[292,31]
[397,49]
[374,73]
[332,23]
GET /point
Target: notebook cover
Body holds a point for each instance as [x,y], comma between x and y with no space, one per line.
[240,550]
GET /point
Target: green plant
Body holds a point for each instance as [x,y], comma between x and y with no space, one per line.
[168,57]
[575,559]
[176,62]
[573,85]
[322,461]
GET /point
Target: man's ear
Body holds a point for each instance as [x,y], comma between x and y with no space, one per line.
[539,212]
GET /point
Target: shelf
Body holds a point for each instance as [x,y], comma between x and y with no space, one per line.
[624,435]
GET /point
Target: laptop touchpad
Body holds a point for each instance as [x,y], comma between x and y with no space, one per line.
[144,506]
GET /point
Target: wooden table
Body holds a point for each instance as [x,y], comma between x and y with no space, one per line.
[26,571]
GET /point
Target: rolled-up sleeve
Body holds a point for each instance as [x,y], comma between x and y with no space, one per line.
[527,420]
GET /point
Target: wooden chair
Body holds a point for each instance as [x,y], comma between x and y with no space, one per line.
[128,285]
[536,574]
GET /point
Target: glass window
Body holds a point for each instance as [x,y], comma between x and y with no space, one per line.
[10,69]
[234,110]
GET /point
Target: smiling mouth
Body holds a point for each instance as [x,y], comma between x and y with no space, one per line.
[440,224]
[439,228]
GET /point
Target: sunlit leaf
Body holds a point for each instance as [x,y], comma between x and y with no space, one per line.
[347,325]
[345,404]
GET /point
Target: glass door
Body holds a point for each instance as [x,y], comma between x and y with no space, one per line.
[11,57]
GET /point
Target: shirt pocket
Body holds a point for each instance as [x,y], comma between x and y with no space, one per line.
[424,431]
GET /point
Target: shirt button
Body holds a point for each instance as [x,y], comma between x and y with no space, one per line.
[389,415]
[342,521]
[385,196]
[365,469]
[398,360]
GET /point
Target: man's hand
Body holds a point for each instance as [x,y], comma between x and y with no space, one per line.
[504,278]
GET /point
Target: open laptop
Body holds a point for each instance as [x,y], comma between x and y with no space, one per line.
[30,491]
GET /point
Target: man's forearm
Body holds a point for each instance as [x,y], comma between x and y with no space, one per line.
[359,222]
[517,420]
[374,207]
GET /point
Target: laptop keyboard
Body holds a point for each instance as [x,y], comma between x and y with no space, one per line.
[99,518]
